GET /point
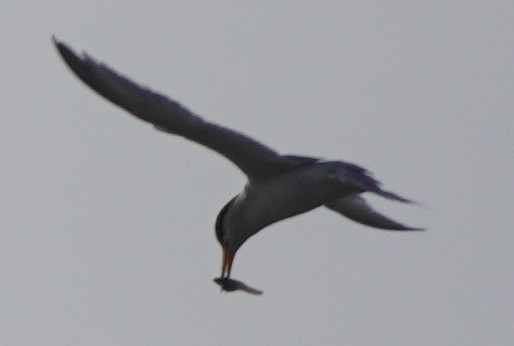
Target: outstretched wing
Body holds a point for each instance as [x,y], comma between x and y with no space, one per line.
[355,208]
[256,160]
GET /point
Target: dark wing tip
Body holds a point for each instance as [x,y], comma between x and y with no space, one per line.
[75,62]
[418,229]
[392,225]
[63,49]
[81,64]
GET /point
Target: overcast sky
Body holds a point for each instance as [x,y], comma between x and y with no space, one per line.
[107,227]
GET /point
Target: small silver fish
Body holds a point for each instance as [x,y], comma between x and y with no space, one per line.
[230,285]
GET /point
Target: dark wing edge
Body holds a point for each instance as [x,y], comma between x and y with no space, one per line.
[256,160]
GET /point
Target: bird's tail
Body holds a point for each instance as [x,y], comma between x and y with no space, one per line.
[370,184]
[392,196]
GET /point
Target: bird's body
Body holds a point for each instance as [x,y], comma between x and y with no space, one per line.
[289,194]
[279,186]
[303,188]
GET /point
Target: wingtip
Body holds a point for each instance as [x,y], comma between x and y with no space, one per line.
[61,47]
[409,229]
[416,229]
[56,41]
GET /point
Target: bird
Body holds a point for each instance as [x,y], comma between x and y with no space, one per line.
[278,186]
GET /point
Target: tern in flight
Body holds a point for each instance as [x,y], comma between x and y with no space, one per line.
[278,187]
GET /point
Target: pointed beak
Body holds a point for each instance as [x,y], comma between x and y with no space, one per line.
[226,263]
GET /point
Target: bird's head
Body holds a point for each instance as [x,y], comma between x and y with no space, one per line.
[228,239]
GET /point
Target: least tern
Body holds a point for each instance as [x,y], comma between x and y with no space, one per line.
[278,186]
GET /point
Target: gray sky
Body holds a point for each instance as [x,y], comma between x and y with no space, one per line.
[107,230]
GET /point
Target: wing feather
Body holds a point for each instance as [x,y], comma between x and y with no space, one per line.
[256,160]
